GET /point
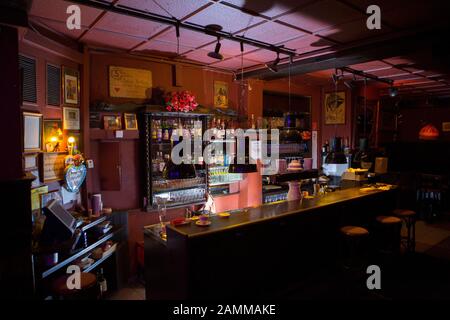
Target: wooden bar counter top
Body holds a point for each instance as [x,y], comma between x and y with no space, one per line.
[258,252]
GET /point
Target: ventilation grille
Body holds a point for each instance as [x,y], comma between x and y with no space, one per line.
[28,70]
[53,85]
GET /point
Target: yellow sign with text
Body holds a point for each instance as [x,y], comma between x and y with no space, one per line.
[130,83]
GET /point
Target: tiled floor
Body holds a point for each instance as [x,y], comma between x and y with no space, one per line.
[422,275]
[134,291]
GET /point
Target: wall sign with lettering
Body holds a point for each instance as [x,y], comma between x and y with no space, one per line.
[53,166]
[130,83]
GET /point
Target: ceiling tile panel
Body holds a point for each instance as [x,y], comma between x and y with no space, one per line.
[176,8]
[417,13]
[56,10]
[231,20]
[61,27]
[234,64]
[166,48]
[307,43]
[128,25]
[351,31]
[268,8]
[187,38]
[263,56]
[110,39]
[406,77]
[389,72]
[399,60]
[321,15]
[273,33]
[370,66]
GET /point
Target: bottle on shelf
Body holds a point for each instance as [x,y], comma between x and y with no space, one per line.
[154,131]
[161,163]
[174,137]
[165,132]
[102,282]
[159,132]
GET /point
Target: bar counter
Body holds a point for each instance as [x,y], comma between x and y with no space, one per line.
[277,210]
[257,252]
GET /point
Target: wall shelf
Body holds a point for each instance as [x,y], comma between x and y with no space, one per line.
[101,134]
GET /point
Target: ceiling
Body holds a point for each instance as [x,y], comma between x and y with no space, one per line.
[311,27]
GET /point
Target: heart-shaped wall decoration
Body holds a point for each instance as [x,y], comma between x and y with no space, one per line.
[75,176]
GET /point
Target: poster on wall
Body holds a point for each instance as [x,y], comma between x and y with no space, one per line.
[220,94]
[71,87]
[130,83]
[32,132]
[71,119]
[334,107]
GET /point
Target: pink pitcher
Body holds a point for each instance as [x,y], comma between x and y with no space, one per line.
[294,191]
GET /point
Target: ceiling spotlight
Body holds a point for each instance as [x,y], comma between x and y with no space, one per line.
[393,92]
[216,53]
[273,67]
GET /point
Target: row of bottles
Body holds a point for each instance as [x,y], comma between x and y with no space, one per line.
[169,130]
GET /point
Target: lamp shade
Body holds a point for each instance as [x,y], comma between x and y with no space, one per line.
[428,132]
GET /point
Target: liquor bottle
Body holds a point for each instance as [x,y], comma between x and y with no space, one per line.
[192,129]
[214,127]
[102,282]
[155,163]
[154,130]
[165,126]
[159,132]
[253,124]
[174,137]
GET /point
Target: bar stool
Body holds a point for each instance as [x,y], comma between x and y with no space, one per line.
[388,234]
[409,217]
[354,238]
[88,288]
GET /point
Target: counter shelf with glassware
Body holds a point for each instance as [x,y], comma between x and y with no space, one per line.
[220,180]
[178,185]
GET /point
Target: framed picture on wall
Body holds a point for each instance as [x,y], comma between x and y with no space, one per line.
[220,94]
[334,107]
[130,121]
[112,122]
[71,118]
[32,132]
[30,161]
[70,86]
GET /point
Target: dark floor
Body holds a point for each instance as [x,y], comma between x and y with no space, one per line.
[423,275]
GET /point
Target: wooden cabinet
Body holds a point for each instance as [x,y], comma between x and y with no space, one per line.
[110,166]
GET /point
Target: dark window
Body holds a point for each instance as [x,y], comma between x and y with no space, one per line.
[28,71]
[53,85]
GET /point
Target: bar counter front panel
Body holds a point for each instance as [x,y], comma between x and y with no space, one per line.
[257,252]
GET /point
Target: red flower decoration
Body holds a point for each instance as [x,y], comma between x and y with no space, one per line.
[183,101]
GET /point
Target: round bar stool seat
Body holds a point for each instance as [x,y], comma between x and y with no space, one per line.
[354,231]
[404,213]
[388,219]
[409,217]
[88,287]
[354,247]
[388,234]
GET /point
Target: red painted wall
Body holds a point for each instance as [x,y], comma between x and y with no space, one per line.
[46,51]
[11,128]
